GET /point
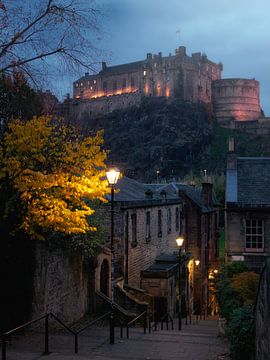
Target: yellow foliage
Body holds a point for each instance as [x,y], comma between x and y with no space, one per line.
[56,173]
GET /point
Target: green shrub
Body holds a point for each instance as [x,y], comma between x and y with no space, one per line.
[241,333]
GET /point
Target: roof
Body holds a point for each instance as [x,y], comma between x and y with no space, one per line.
[131,191]
[124,68]
[248,184]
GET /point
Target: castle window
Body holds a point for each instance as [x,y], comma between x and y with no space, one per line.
[254,235]
[114,85]
[134,230]
[159,229]
[91,87]
[132,81]
[95,81]
[81,83]
[148,226]
[144,73]
[124,83]
[76,84]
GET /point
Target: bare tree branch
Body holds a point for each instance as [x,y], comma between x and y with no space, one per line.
[60,30]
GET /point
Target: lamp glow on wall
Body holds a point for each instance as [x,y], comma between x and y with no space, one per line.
[112,177]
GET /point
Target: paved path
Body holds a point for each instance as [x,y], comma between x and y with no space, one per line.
[194,342]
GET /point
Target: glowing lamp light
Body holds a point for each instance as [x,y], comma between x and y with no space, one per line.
[112,176]
[179,241]
[197,262]
[216,271]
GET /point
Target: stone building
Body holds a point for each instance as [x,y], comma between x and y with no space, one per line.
[148,219]
[247,212]
[179,75]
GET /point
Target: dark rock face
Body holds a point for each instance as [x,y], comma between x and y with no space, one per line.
[162,135]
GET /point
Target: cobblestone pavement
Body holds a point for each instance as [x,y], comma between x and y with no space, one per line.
[197,341]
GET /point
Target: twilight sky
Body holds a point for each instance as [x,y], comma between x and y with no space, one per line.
[235,32]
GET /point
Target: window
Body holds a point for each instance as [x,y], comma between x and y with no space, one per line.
[144,73]
[148,226]
[159,223]
[77,85]
[169,221]
[132,81]
[177,219]
[95,81]
[124,83]
[254,235]
[134,230]
[104,86]
[81,83]
[114,85]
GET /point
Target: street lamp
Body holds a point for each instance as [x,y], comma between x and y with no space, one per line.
[179,242]
[112,177]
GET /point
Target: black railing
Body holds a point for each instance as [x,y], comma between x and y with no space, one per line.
[6,336]
[143,316]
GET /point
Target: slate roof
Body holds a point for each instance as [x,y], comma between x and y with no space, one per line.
[132,191]
[249,184]
[124,68]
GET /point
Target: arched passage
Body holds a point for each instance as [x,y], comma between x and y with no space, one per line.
[104,277]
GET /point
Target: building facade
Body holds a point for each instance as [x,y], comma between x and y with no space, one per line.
[186,77]
[148,219]
[247,212]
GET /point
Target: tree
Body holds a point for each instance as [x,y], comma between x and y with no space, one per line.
[17,99]
[246,285]
[45,33]
[53,173]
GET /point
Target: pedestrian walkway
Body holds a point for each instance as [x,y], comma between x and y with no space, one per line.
[197,341]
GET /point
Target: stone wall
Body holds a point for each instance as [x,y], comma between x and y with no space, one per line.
[81,111]
[237,99]
[60,284]
[262,316]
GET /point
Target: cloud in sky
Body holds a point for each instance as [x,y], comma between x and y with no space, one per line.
[234,32]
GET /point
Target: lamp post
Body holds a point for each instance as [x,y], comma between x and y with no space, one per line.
[197,263]
[179,242]
[112,177]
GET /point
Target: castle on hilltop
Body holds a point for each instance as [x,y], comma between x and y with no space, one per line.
[194,79]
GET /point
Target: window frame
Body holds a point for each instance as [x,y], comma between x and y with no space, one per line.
[254,235]
[134,239]
[148,226]
[159,223]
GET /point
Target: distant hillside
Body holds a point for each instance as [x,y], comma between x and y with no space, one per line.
[173,137]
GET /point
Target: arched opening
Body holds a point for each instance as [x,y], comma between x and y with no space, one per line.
[104,277]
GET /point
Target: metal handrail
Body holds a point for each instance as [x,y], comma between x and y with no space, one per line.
[94,322]
[133,321]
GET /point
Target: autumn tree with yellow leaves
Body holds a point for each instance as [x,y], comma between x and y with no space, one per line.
[55,173]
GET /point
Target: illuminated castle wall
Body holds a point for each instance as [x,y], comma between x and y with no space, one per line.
[237,99]
[190,78]
[186,77]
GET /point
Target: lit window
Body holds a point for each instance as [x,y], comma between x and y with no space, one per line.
[134,230]
[159,223]
[81,83]
[254,235]
[148,226]
[95,81]
[91,87]
[144,73]
[76,84]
